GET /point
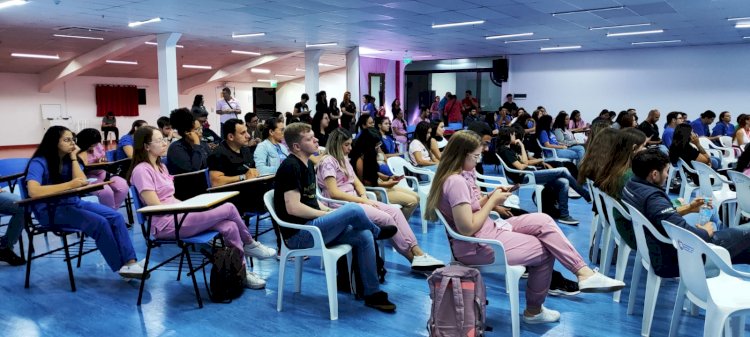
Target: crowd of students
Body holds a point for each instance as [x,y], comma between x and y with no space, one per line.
[328,152]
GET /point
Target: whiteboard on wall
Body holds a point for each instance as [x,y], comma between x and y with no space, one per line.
[51,111]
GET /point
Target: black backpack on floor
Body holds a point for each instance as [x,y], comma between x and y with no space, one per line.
[227,274]
[549,201]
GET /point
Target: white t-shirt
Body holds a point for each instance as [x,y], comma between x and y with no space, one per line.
[417,146]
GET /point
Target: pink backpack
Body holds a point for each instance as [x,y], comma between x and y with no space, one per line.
[458,302]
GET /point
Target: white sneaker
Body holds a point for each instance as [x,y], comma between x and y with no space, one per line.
[573,194]
[258,250]
[426,262]
[254,281]
[599,283]
[546,316]
[133,271]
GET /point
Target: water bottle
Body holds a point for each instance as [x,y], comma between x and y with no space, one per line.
[705,212]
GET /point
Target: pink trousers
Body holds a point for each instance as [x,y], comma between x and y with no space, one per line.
[111,195]
[385,214]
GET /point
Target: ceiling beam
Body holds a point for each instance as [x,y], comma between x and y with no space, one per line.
[52,77]
[234,69]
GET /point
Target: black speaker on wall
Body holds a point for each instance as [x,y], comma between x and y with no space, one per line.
[500,70]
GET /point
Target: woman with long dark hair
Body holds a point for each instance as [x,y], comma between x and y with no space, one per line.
[348,112]
[54,168]
[92,152]
[398,126]
[125,145]
[198,109]
[336,179]
[576,123]
[155,186]
[743,162]
[687,146]
[363,123]
[437,139]
[547,139]
[418,153]
[335,114]
[320,123]
[560,129]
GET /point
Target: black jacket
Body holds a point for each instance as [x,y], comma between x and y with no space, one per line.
[184,157]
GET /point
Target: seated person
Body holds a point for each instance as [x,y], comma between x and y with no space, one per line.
[437,139]
[251,121]
[743,162]
[364,122]
[54,168]
[557,178]
[208,136]
[548,139]
[418,153]
[645,192]
[125,145]
[112,195]
[532,240]
[9,207]
[390,147]
[109,124]
[472,117]
[320,123]
[295,202]
[674,118]
[155,187]
[561,131]
[189,153]
[271,151]
[337,180]
[686,146]
[398,127]
[165,126]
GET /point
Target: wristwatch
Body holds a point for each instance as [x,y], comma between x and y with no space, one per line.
[242,177]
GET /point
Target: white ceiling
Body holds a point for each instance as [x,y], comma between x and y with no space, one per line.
[403,27]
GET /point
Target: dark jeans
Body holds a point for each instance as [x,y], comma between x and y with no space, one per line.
[736,240]
[107,129]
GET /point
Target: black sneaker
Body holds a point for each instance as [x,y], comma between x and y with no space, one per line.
[568,220]
[379,300]
[8,256]
[562,286]
[387,232]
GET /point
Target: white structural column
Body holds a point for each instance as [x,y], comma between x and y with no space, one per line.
[352,76]
[167,56]
[312,72]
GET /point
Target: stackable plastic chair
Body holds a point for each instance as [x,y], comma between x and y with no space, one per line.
[742,186]
[718,190]
[400,166]
[614,239]
[528,183]
[553,156]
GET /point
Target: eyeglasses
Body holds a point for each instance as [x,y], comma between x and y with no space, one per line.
[476,155]
[69,139]
[162,140]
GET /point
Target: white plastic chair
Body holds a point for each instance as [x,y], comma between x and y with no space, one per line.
[687,186]
[672,173]
[329,255]
[722,195]
[653,281]
[742,186]
[623,250]
[529,184]
[370,195]
[512,273]
[554,156]
[722,296]
[598,225]
[399,166]
[719,152]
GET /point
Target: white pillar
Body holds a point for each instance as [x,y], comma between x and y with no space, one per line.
[352,77]
[167,56]
[312,73]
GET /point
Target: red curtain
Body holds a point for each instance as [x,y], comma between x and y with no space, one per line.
[122,100]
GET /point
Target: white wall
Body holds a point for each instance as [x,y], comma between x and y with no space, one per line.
[332,82]
[443,82]
[689,79]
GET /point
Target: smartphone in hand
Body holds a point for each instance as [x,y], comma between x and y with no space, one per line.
[514,188]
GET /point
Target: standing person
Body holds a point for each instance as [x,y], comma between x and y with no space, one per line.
[651,130]
[348,111]
[125,145]
[452,112]
[369,106]
[418,153]
[532,240]
[189,153]
[510,105]
[295,202]
[742,135]
[435,108]
[336,179]
[674,118]
[301,110]
[251,122]
[54,168]
[92,152]
[724,127]
[398,126]
[271,151]
[335,114]
[442,103]
[156,187]
[396,108]
[701,124]
[109,124]
[227,107]
[198,107]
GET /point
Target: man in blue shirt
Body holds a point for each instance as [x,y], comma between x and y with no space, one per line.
[724,127]
[674,118]
[700,125]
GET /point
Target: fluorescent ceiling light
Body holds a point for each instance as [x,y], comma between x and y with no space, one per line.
[368,51]
[156,44]
[268,81]
[655,42]
[457,24]
[138,23]
[739,19]
[193,66]
[235,36]
[643,32]
[326,44]
[123,62]
[507,36]
[326,65]
[621,26]
[12,3]
[282,75]
[36,56]
[742,25]
[260,71]
[522,41]
[589,10]
[78,37]
[421,56]
[559,48]
[299,69]
[245,52]
[746,37]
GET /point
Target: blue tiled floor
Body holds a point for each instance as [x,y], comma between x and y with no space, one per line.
[106,305]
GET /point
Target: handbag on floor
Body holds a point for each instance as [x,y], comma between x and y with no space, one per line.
[227,274]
